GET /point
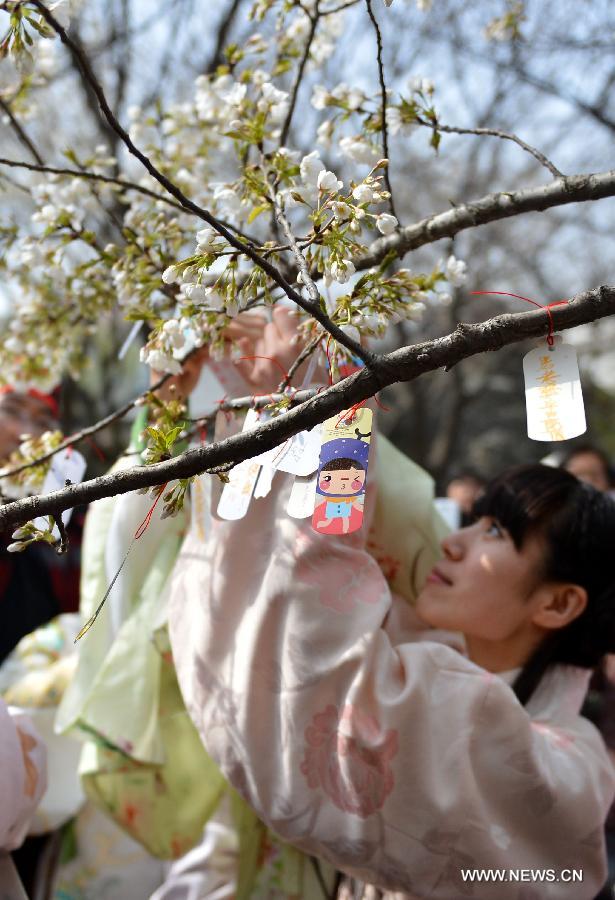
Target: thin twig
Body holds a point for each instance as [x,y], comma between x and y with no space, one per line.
[383,104]
[20,132]
[91,176]
[222,32]
[305,354]
[120,182]
[302,265]
[314,17]
[74,439]
[340,8]
[59,521]
[248,250]
[496,132]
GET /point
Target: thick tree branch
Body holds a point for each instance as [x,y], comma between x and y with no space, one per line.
[402,365]
[491,208]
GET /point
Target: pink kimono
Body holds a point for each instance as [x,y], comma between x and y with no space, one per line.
[23,776]
[359,741]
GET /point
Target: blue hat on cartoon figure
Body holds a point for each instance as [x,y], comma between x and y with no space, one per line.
[343,448]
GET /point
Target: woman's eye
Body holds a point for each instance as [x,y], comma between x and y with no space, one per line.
[326,478]
[495,529]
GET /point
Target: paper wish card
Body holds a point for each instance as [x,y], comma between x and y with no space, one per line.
[342,472]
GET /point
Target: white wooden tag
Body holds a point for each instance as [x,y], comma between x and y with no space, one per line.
[130,339]
[218,379]
[303,454]
[200,501]
[68,465]
[236,495]
[302,497]
[553,395]
[265,480]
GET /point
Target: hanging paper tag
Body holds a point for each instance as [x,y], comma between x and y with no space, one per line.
[217,380]
[553,395]
[302,456]
[342,472]
[265,480]
[297,455]
[199,506]
[236,495]
[302,497]
[130,339]
[68,465]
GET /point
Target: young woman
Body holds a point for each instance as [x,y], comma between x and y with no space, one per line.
[402,761]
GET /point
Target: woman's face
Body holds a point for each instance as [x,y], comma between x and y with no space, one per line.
[484,587]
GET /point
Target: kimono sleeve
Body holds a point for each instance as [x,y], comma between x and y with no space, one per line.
[403,764]
[23,776]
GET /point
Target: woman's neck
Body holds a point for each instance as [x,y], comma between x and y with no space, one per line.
[501,656]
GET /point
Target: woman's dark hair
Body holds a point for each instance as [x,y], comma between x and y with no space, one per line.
[577,523]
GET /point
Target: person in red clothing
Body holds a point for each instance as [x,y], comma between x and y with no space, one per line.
[38,584]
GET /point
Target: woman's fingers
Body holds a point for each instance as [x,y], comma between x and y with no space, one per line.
[286,321]
[246,325]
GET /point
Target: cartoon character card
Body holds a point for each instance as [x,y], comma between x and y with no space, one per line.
[342,472]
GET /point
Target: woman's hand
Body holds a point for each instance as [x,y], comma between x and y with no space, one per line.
[273,345]
[179,387]
[277,343]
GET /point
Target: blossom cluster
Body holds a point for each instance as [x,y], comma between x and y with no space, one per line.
[97,248]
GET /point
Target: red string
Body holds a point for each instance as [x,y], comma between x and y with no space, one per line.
[99,453]
[227,414]
[271,359]
[535,302]
[381,405]
[145,523]
[350,415]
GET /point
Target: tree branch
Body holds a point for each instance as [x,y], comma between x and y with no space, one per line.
[109,179]
[223,30]
[491,208]
[402,365]
[20,131]
[496,132]
[313,17]
[85,433]
[276,276]
[383,103]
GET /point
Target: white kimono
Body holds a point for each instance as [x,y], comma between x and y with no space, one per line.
[23,775]
[396,759]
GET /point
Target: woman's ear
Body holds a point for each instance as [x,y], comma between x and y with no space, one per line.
[561,604]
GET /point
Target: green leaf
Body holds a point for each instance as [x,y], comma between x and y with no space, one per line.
[257,211]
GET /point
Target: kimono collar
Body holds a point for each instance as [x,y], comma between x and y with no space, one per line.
[561,691]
